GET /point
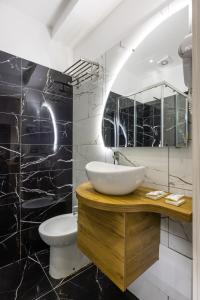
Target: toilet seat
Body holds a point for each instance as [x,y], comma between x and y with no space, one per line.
[59,231]
[59,225]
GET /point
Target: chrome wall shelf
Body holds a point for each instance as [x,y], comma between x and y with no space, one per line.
[82,71]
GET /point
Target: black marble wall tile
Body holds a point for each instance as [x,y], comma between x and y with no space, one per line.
[9,221]
[60,106]
[9,188]
[35,170]
[45,183]
[46,106]
[44,79]
[9,158]
[36,211]
[10,98]
[148,124]
[9,128]
[44,132]
[109,137]
[43,157]
[126,121]
[10,68]
[9,233]
[31,241]
[9,250]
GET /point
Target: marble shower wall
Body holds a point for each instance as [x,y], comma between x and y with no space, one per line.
[35,153]
[166,168]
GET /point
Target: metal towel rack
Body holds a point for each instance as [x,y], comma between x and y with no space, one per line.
[81,71]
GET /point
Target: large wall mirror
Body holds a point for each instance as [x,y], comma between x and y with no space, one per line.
[148,104]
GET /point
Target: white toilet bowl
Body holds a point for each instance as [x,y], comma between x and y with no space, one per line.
[60,234]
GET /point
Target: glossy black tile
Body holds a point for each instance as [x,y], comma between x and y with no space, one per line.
[36,211]
[10,98]
[52,295]
[10,68]
[46,106]
[35,165]
[23,280]
[56,107]
[9,188]
[91,284]
[43,258]
[32,103]
[9,250]
[40,184]
[109,137]
[46,132]
[43,157]
[9,158]
[44,79]
[9,221]
[31,241]
[9,128]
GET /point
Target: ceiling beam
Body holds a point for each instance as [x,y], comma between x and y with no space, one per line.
[61,18]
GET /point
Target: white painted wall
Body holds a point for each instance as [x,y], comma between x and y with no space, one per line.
[28,38]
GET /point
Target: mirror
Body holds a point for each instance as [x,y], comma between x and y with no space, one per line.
[148,106]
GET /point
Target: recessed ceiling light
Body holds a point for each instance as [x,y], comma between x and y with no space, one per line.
[164,62]
[151,61]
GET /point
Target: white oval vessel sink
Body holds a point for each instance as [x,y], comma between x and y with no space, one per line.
[114,179]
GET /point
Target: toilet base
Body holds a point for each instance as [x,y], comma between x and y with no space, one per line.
[66,260]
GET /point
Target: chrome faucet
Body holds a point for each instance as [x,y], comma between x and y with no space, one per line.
[116,158]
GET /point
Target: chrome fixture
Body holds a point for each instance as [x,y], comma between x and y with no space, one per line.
[82,71]
[116,157]
[162,83]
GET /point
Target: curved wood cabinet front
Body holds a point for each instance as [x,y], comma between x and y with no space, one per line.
[121,234]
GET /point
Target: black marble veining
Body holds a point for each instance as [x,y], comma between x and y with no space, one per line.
[44,157]
[36,183]
[43,105]
[10,70]
[28,279]
[148,124]
[145,123]
[35,168]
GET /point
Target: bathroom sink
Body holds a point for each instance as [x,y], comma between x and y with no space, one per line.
[113,179]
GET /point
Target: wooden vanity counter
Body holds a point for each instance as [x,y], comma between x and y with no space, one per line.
[134,202]
[121,234]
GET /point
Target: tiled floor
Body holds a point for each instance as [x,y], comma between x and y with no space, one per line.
[28,279]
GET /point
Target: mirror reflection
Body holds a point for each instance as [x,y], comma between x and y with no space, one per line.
[148,104]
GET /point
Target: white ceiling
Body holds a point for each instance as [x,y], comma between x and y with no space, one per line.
[43,10]
[162,42]
[69,20]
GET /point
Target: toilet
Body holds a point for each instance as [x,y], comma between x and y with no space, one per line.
[60,234]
